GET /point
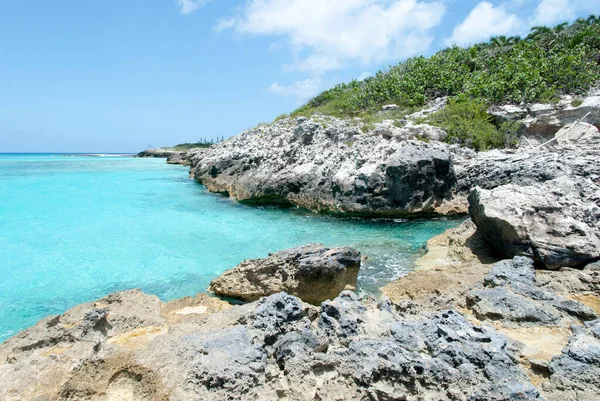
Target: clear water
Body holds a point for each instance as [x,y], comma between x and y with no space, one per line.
[73,229]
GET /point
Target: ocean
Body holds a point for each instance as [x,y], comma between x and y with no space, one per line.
[75,228]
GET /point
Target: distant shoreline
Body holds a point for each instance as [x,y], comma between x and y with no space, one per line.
[89,154]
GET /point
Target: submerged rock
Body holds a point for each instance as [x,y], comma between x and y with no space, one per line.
[311,272]
[556,223]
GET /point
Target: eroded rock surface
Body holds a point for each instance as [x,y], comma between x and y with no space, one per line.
[556,223]
[326,164]
[276,348]
[311,272]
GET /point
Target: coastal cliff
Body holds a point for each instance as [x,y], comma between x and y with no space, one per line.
[504,307]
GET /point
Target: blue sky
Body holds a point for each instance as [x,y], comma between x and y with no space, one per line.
[122,75]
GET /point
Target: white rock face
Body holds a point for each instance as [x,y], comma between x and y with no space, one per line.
[545,120]
[582,132]
[330,165]
[556,223]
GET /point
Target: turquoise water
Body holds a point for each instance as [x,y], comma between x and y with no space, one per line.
[76,228]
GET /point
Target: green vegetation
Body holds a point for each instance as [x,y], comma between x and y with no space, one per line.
[203,143]
[539,68]
[469,122]
[547,63]
[576,102]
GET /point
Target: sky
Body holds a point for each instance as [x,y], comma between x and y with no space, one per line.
[125,75]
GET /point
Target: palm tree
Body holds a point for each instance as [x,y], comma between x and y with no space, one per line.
[593,19]
[539,33]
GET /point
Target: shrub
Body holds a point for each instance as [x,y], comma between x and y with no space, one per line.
[467,121]
[547,63]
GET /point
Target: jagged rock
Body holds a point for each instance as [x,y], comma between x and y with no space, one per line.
[329,165]
[511,294]
[176,158]
[277,348]
[311,272]
[556,223]
[159,153]
[545,120]
[492,169]
[577,134]
[575,375]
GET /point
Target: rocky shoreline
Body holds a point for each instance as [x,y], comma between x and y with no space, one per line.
[504,307]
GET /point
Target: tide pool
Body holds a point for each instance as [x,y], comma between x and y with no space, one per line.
[75,228]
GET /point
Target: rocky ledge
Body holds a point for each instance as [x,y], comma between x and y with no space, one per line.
[493,331]
[173,156]
[329,165]
[397,168]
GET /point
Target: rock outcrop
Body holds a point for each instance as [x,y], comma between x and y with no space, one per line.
[556,223]
[160,153]
[330,165]
[313,273]
[543,313]
[543,121]
[125,347]
[527,167]
[185,158]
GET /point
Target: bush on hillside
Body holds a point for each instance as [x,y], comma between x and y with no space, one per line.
[545,64]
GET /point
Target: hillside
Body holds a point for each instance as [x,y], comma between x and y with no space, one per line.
[541,67]
[537,68]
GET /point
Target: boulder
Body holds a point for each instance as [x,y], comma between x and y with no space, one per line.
[176,158]
[556,223]
[311,272]
[326,164]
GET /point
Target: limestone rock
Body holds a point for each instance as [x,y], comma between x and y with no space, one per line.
[545,120]
[159,153]
[328,165]
[575,374]
[277,348]
[311,272]
[577,134]
[510,294]
[556,223]
[525,167]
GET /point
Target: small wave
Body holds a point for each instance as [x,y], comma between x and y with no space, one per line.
[101,154]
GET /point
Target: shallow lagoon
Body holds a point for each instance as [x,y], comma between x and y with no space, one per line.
[76,228]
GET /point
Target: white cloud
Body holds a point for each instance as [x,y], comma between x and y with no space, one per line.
[485,21]
[224,23]
[301,90]
[189,6]
[326,35]
[550,12]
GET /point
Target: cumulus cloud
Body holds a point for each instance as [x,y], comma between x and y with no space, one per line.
[485,21]
[189,6]
[549,12]
[327,35]
[301,90]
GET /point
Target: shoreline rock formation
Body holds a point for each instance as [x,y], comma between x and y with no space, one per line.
[499,329]
[476,321]
[311,272]
[328,165]
[398,168]
[173,156]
